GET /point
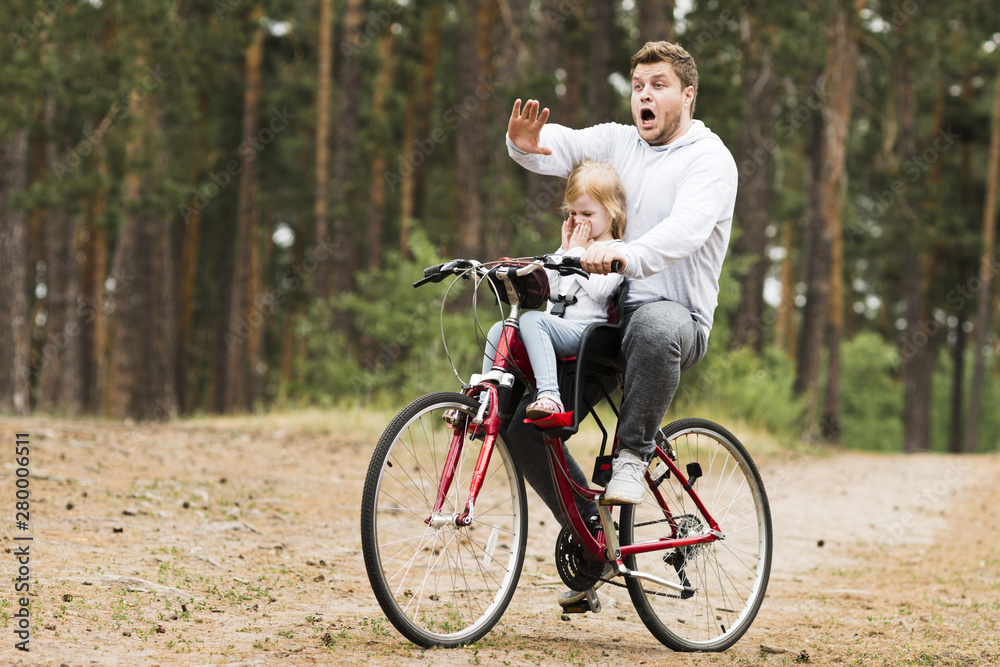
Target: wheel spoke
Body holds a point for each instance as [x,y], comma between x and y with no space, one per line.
[432,578]
[729,575]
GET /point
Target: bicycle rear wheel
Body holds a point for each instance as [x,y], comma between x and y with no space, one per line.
[729,575]
[441,585]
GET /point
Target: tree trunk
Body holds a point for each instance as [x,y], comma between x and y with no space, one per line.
[376,193]
[417,181]
[124,359]
[816,257]
[502,170]
[407,192]
[656,20]
[93,337]
[957,387]
[469,139]
[59,386]
[185,320]
[143,351]
[325,83]
[574,45]
[345,212]
[546,61]
[986,275]
[190,243]
[600,101]
[842,50]
[756,167]
[784,330]
[240,297]
[917,352]
[14,378]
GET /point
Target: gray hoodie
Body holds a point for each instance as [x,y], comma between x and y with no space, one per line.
[680,206]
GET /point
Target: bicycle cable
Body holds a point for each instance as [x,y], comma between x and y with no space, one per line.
[480,273]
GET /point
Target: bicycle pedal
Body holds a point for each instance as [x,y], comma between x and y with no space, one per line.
[590,603]
[578,608]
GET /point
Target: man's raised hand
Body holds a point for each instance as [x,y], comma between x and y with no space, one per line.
[525,127]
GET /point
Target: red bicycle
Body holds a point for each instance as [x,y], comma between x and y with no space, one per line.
[444,513]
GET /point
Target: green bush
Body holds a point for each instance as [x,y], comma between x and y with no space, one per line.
[742,384]
[941,417]
[871,397]
[391,350]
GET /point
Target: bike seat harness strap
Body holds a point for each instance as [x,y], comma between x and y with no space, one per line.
[566,296]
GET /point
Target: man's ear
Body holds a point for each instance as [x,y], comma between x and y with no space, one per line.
[688,98]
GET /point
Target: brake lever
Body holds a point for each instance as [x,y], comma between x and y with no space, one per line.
[567,266]
[436,278]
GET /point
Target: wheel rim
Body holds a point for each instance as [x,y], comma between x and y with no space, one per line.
[730,575]
[449,584]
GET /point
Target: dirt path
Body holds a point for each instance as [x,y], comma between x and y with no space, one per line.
[878,559]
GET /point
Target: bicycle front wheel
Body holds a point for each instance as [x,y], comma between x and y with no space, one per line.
[730,574]
[440,584]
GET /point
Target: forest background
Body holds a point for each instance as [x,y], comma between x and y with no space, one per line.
[220,207]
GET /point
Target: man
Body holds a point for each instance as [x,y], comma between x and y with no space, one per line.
[681,185]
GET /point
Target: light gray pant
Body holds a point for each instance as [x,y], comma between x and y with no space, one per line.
[661,339]
[545,337]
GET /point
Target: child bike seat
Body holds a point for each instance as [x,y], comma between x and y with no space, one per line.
[596,362]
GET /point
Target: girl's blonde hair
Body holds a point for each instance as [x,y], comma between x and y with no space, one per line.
[600,181]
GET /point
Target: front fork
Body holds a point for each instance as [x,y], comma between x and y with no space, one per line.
[487,420]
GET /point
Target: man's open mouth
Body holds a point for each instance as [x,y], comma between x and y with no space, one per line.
[647,117]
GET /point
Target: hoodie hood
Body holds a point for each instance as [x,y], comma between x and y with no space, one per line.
[695,133]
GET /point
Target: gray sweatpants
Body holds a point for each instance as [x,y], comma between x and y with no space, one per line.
[661,339]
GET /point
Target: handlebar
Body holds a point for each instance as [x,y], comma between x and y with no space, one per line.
[574,262]
[562,264]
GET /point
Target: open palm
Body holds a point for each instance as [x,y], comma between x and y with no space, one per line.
[525,127]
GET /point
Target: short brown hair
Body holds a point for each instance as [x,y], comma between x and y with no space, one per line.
[682,62]
[602,182]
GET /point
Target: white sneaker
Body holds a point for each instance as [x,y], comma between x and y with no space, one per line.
[628,484]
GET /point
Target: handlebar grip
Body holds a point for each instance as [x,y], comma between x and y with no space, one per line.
[574,262]
[431,270]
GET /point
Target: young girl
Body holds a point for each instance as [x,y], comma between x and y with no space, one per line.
[595,204]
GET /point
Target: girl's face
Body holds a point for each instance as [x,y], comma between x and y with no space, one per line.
[586,208]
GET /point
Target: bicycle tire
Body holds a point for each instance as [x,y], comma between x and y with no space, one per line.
[444,586]
[730,575]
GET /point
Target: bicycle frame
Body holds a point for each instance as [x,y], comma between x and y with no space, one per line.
[511,352]
[444,515]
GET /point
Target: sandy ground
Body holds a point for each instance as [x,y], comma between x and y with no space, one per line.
[236,542]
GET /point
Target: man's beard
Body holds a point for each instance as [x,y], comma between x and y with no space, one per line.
[673,121]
